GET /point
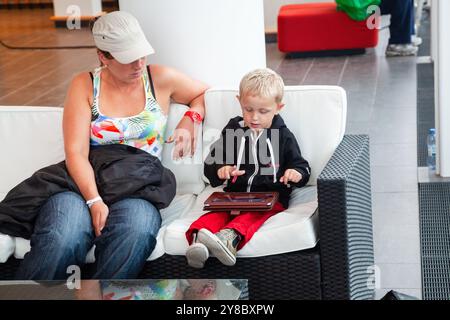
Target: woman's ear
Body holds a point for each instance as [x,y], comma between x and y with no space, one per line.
[102,58]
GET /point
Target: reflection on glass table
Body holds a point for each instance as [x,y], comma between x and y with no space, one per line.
[139,289]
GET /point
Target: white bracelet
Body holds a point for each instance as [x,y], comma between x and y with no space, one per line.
[92,201]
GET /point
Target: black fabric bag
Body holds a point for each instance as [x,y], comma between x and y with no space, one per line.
[121,172]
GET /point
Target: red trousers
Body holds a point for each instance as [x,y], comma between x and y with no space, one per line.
[246,223]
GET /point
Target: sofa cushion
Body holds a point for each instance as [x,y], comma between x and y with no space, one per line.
[32,139]
[290,230]
[7,246]
[22,247]
[188,171]
[315,114]
[7,243]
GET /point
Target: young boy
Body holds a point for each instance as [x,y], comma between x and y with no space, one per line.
[256,152]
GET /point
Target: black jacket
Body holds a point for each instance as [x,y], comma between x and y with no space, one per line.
[274,145]
[120,172]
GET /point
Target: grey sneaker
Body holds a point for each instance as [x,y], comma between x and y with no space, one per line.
[197,254]
[401,50]
[223,244]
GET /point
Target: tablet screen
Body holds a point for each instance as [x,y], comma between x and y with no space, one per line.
[251,199]
[230,197]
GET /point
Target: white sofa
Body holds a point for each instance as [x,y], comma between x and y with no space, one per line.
[31,138]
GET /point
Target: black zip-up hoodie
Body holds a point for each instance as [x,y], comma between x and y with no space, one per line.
[276,145]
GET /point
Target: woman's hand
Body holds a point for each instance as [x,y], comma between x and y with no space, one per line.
[99,213]
[185,138]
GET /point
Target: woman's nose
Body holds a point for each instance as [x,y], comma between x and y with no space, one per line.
[139,63]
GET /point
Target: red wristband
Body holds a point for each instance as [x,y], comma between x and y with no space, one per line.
[194,115]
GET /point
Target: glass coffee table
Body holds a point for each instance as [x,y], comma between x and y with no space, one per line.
[138,289]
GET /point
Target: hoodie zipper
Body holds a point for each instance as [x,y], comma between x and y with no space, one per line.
[255,156]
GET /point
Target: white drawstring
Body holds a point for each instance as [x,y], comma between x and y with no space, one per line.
[272,159]
[241,152]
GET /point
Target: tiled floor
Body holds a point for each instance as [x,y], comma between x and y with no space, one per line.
[381,102]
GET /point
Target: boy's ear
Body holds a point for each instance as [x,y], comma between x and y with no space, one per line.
[238,97]
[279,107]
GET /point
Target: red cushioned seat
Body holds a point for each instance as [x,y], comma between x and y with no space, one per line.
[319,26]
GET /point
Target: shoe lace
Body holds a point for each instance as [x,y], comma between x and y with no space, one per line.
[229,235]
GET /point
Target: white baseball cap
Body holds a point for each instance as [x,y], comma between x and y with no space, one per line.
[120,34]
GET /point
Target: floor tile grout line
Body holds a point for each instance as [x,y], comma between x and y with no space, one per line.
[344,67]
[375,91]
[307,72]
[279,62]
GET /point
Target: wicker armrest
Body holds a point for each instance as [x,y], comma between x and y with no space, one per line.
[345,220]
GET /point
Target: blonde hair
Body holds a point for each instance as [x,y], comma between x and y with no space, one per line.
[263,82]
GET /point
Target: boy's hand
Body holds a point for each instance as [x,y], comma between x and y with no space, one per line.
[227,172]
[291,175]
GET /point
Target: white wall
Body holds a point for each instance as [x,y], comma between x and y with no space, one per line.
[271,8]
[86,7]
[442,79]
[216,41]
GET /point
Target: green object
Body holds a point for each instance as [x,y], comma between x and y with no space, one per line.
[356,9]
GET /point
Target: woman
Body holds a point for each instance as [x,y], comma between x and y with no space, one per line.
[122,102]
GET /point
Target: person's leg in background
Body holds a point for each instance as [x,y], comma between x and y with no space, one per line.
[415,39]
[401,26]
[62,236]
[401,17]
[127,240]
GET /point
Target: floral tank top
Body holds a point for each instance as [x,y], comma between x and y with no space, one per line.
[144,131]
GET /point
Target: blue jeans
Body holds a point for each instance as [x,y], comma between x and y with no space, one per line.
[402,19]
[63,235]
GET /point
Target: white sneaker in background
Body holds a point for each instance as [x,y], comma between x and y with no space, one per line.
[417,41]
[401,50]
